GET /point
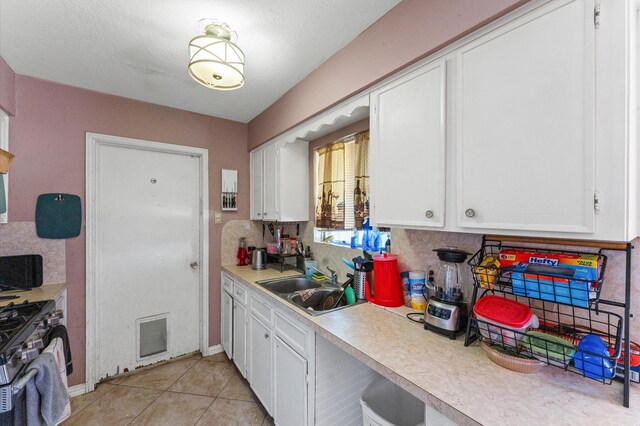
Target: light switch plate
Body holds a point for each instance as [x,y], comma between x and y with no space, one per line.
[217,218]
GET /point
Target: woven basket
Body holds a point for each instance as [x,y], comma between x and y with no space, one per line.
[5,161]
[521,365]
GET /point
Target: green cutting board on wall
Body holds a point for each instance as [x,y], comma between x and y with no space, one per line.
[58,216]
[3,196]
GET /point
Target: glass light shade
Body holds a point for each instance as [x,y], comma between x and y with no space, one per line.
[216,63]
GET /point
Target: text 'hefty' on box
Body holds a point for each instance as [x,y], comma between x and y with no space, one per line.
[586,265]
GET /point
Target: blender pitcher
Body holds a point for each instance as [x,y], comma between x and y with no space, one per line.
[447,283]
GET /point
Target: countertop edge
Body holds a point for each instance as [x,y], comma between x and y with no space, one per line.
[406,384]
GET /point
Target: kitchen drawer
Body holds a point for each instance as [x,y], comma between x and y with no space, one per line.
[227,284]
[292,334]
[239,294]
[261,310]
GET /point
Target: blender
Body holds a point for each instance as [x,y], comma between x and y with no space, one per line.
[446,311]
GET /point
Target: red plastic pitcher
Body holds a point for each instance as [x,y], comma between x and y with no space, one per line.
[387,289]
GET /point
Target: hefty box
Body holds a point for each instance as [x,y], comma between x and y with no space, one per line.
[557,277]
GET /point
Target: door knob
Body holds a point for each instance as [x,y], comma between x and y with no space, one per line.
[194,265]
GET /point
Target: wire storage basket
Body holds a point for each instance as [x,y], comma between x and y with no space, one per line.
[562,276]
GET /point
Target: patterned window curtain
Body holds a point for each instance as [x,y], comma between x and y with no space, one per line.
[330,202]
[361,191]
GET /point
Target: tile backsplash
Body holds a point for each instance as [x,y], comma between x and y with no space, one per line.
[21,238]
[415,251]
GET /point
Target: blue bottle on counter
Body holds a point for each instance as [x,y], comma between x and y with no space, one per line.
[354,238]
[366,235]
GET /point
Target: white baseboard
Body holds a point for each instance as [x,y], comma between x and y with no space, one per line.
[212,350]
[77,390]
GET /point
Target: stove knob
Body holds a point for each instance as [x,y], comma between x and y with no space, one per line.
[27,355]
[35,344]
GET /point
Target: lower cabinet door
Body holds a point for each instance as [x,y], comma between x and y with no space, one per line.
[290,386]
[260,365]
[240,337]
[227,324]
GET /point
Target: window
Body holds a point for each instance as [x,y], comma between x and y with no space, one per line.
[342,191]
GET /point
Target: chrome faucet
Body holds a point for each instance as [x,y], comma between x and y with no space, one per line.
[334,276]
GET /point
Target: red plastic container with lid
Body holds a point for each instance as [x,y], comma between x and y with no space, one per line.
[503,321]
[387,288]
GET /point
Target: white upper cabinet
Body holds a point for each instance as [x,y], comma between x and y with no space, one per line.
[257,186]
[280,182]
[408,149]
[525,124]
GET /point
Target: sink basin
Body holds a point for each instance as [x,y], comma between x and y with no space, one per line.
[291,285]
[290,288]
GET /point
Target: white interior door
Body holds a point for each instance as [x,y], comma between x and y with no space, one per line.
[147,211]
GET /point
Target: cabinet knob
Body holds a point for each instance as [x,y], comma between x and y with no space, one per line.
[259,214]
[428,214]
[266,335]
[469,213]
[264,213]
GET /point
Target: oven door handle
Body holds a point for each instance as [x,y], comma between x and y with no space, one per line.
[22,382]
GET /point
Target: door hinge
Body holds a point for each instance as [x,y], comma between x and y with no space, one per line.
[596,202]
[596,16]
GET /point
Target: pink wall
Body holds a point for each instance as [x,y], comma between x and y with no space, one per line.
[48,138]
[409,32]
[7,88]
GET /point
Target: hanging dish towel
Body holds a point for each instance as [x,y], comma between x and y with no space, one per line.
[57,349]
[60,331]
[46,396]
[58,216]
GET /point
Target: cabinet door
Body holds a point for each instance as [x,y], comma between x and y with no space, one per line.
[408,141]
[257,189]
[240,337]
[227,323]
[290,386]
[270,183]
[260,356]
[525,152]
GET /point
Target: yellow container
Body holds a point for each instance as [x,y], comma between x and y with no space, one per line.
[5,161]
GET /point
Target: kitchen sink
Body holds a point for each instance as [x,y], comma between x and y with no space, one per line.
[290,285]
[290,290]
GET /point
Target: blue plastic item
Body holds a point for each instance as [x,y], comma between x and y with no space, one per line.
[529,280]
[58,216]
[592,358]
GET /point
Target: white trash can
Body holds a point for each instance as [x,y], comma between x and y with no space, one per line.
[386,404]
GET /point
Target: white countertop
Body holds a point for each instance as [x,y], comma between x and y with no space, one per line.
[460,382]
[36,294]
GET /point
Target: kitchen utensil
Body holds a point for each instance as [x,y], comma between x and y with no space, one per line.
[271,229]
[349,263]
[359,278]
[58,216]
[331,300]
[446,312]
[14,296]
[510,359]
[503,321]
[263,231]
[259,259]
[387,290]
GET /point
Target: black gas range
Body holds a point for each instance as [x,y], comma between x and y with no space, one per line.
[23,332]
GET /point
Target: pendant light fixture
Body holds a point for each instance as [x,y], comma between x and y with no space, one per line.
[215,61]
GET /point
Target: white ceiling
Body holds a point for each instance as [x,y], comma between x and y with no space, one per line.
[138,48]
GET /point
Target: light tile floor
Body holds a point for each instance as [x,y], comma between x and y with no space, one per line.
[188,391]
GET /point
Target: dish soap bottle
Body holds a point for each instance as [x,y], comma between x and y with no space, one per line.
[387,245]
[354,238]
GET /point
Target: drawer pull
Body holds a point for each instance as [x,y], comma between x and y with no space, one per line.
[428,214]
[470,213]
